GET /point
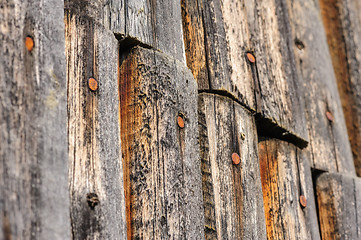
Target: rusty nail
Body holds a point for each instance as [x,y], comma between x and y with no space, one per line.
[303,201]
[93,84]
[251,58]
[329,116]
[235,158]
[180,122]
[29,43]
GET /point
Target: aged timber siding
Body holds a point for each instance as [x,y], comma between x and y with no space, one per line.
[96,175]
[254,145]
[231,183]
[287,191]
[326,124]
[162,174]
[342,21]
[34,199]
[339,199]
[269,83]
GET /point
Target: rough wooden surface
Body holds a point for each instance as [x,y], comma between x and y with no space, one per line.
[156,23]
[96,175]
[270,85]
[163,185]
[232,193]
[339,199]
[342,22]
[286,175]
[328,138]
[34,198]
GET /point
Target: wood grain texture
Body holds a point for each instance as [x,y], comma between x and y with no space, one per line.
[156,23]
[342,22]
[232,193]
[328,139]
[286,175]
[96,175]
[270,86]
[162,172]
[338,198]
[34,196]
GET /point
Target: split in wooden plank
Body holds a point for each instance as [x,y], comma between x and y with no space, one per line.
[342,22]
[34,196]
[162,175]
[232,191]
[328,133]
[287,191]
[249,59]
[96,175]
[339,198]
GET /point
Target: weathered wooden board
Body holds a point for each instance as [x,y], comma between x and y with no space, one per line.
[163,185]
[286,176]
[342,22]
[157,23]
[34,196]
[339,198]
[220,33]
[232,193]
[96,175]
[328,134]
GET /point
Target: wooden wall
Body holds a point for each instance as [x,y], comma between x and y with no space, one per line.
[180,119]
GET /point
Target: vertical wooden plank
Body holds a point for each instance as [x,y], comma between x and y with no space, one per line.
[34,197]
[163,188]
[328,134]
[268,85]
[156,23]
[338,199]
[194,42]
[342,22]
[232,192]
[286,177]
[96,176]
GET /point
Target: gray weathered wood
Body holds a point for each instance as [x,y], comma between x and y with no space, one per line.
[157,23]
[34,197]
[96,175]
[232,193]
[339,198]
[328,139]
[342,23]
[286,176]
[163,185]
[270,86]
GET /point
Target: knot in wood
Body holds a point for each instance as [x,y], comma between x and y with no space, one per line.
[92,199]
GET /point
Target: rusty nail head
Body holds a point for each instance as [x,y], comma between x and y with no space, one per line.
[180,122]
[329,116]
[93,84]
[303,201]
[251,58]
[235,158]
[29,43]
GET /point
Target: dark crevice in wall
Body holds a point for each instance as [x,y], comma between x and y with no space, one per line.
[126,44]
[265,127]
[316,173]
